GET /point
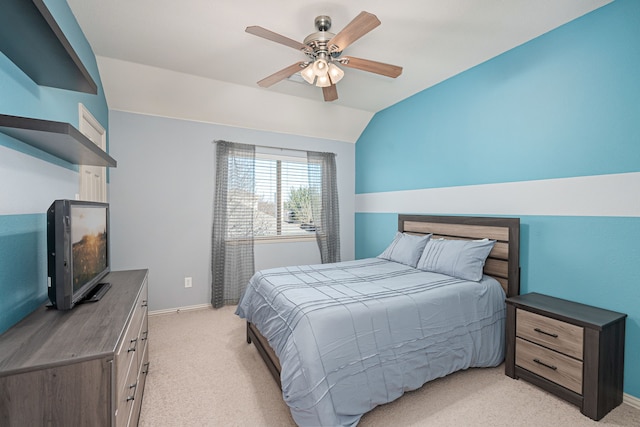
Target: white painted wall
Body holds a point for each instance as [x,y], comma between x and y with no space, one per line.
[270,255]
[597,195]
[161,197]
[30,184]
[150,90]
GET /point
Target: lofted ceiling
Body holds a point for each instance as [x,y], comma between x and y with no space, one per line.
[192,59]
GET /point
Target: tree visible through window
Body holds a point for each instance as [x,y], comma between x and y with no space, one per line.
[283,198]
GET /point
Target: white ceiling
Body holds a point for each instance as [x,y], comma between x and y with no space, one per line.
[197,50]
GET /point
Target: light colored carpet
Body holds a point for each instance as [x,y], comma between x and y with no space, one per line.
[203,373]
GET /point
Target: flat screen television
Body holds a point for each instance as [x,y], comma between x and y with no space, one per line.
[77,250]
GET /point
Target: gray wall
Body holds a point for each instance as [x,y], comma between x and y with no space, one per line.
[161,197]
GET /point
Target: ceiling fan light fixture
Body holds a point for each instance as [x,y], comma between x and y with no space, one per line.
[335,73]
[308,74]
[323,81]
[320,67]
[322,50]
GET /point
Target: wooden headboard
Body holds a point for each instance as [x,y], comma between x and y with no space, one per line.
[503,262]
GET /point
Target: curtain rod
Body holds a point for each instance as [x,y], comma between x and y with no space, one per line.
[275,148]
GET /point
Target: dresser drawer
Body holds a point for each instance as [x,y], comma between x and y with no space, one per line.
[142,338]
[126,396]
[554,366]
[555,334]
[142,377]
[127,353]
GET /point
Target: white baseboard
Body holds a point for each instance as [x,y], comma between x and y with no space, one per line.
[631,401]
[179,309]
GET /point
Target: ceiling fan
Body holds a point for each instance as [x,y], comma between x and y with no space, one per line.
[323,50]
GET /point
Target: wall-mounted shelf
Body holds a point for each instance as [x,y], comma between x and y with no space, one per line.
[56,138]
[31,38]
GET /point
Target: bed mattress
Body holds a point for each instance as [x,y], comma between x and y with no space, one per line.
[353,335]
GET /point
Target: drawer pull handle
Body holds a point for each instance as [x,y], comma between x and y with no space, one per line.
[133,348]
[144,303]
[555,368]
[546,333]
[132,386]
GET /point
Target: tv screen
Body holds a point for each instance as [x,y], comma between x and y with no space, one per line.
[78,250]
[88,243]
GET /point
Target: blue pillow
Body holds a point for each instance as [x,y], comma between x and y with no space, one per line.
[463,259]
[405,248]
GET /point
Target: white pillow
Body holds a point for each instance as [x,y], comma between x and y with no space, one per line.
[405,248]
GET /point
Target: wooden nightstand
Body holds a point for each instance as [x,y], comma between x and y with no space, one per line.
[572,350]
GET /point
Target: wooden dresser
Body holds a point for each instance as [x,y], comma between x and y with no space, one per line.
[82,367]
[572,350]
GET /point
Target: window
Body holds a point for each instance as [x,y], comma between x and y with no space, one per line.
[282,197]
[272,191]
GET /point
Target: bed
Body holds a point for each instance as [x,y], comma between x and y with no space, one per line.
[341,339]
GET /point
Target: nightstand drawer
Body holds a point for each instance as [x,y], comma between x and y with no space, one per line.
[592,378]
[555,334]
[547,363]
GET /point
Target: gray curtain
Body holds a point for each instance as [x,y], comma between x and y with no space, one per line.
[323,184]
[232,261]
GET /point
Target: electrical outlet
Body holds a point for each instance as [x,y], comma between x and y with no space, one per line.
[188,282]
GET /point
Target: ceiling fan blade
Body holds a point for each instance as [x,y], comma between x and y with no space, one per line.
[330,93]
[371,66]
[275,37]
[358,27]
[281,75]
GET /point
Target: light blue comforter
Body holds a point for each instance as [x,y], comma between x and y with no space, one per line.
[357,334]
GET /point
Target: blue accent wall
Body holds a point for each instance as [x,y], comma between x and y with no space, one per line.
[564,105]
[21,265]
[21,96]
[23,285]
